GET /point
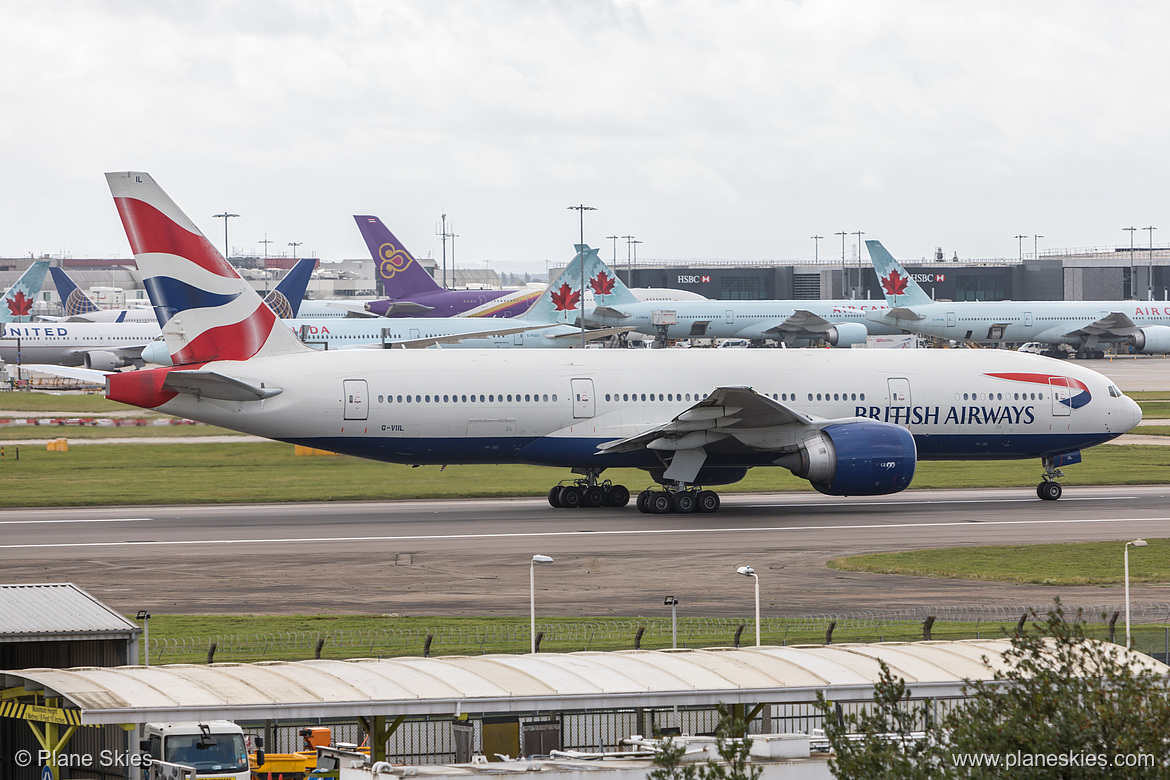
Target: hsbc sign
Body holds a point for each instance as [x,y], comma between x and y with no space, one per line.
[928,277]
[693,279]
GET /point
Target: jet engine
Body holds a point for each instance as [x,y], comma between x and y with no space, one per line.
[846,334]
[101,360]
[856,459]
[1152,339]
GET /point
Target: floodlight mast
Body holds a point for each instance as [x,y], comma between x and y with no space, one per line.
[748,571]
[532,595]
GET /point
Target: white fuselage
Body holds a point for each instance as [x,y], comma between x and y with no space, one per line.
[66,343]
[737,319]
[556,408]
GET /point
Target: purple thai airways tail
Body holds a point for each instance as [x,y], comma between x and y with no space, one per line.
[400,273]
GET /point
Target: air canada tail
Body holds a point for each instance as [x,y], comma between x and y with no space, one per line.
[286,299]
[19,299]
[73,300]
[561,302]
[211,313]
[400,273]
[899,287]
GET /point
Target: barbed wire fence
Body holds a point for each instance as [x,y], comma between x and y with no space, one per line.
[1150,630]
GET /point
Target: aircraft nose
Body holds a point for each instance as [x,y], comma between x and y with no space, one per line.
[1132,413]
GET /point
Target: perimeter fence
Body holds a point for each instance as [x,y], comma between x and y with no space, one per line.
[1150,629]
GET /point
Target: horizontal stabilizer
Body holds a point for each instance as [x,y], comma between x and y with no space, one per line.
[211,384]
[611,313]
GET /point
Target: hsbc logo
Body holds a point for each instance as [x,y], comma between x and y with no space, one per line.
[928,277]
[693,279]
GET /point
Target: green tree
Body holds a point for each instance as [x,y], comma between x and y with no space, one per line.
[1062,705]
[731,743]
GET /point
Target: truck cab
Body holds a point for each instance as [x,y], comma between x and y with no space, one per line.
[215,748]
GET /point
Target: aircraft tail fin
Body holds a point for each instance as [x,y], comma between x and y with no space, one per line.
[73,300]
[19,299]
[400,273]
[561,302]
[287,297]
[900,288]
[211,313]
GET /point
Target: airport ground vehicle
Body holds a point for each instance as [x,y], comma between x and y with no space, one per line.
[215,748]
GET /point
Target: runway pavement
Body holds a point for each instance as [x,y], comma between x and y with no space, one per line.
[450,558]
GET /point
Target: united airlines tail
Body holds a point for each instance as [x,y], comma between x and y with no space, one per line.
[400,273]
[212,313]
[19,299]
[561,302]
[286,299]
[73,300]
[900,288]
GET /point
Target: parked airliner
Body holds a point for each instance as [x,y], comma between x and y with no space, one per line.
[1085,325]
[852,422]
[793,323]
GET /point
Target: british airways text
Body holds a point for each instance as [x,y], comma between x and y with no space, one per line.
[959,415]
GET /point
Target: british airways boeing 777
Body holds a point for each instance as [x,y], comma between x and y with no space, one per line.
[851,422]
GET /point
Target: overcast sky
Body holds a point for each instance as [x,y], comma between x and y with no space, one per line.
[708,129]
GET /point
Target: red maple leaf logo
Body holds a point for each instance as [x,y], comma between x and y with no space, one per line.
[19,305]
[565,298]
[895,284]
[602,284]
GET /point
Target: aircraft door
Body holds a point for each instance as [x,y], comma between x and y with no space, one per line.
[950,319]
[414,334]
[355,394]
[729,316]
[1027,319]
[1060,396]
[899,391]
[583,405]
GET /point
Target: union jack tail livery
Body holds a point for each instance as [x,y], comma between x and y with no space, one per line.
[19,299]
[561,302]
[899,287]
[210,312]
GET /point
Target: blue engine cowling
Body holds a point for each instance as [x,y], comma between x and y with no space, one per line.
[857,459]
[846,334]
[1154,339]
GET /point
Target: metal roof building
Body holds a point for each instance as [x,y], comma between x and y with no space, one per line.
[59,624]
[507,683]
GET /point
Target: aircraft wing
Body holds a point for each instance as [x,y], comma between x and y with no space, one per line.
[896,313]
[351,309]
[67,372]
[406,309]
[611,313]
[1115,324]
[802,322]
[211,384]
[430,341]
[590,335]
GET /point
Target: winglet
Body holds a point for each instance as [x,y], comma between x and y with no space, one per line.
[212,313]
[899,287]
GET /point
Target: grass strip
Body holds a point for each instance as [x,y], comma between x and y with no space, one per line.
[269,471]
[1085,563]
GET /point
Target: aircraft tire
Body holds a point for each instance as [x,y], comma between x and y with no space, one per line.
[708,502]
[594,497]
[571,497]
[618,496]
[683,502]
[1049,491]
[660,503]
[643,502]
[554,497]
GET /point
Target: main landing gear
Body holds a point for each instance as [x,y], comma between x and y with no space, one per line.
[589,493]
[1050,489]
[681,500]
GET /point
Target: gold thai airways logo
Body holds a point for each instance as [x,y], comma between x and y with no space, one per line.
[393,260]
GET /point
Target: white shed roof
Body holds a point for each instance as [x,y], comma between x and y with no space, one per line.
[57,611]
[510,683]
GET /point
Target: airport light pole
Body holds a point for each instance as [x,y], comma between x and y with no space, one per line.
[265,242]
[1150,281]
[294,245]
[816,248]
[859,234]
[144,616]
[581,208]
[615,238]
[1035,250]
[844,281]
[629,262]
[1021,238]
[1132,270]
[532,594]
[1134,543]
[748,571]
[672,602]
[225,217]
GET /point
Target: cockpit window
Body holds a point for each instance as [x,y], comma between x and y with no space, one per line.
[1114,392]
